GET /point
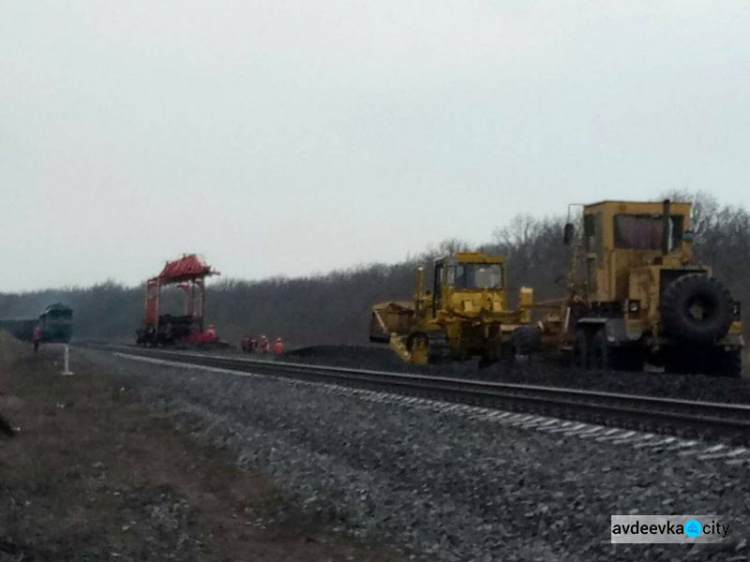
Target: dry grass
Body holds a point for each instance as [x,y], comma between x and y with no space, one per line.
[92,473]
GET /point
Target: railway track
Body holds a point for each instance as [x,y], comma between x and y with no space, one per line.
[726,422]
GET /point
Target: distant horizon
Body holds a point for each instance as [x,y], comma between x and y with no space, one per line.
[411,255]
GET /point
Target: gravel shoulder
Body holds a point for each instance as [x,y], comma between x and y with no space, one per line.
[447,486]
[94,475]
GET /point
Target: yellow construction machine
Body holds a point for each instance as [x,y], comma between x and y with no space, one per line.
[635,295]
[465,315]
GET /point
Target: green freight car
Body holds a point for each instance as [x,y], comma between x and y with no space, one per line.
[57,323]
[19,329]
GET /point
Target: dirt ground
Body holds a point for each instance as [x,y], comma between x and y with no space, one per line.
[91,475]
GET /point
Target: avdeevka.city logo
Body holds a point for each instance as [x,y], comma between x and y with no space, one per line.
[668,529]
[693,528]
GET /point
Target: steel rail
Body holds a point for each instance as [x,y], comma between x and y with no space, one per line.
[729,422]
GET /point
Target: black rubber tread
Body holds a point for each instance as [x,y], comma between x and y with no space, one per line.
[677,300]
[439,348]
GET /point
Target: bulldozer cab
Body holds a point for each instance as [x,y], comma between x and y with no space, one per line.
[468,280]
[619,237]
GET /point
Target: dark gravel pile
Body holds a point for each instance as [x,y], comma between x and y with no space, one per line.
[538,371]
[365,357]
[454,488]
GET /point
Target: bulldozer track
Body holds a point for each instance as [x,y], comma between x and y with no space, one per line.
[440,350]
[687,418]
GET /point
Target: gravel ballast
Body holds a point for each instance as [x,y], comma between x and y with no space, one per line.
[541,371]
[447,486]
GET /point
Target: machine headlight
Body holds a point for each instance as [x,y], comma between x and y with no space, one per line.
[634,306]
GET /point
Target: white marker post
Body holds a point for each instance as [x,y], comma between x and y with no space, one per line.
[67,370]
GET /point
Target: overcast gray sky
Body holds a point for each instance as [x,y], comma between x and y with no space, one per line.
[280,137]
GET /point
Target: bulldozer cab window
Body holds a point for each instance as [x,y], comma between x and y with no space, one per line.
[594,245]
[478,276]
[644,232]
[589,231]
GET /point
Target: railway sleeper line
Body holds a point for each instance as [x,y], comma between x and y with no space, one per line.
[728,423]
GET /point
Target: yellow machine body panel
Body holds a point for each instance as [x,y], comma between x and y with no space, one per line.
[620,237]
[635,294]
[467,306]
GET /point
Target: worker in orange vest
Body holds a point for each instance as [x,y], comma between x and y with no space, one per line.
[36,337]
[264,344]
[278,346]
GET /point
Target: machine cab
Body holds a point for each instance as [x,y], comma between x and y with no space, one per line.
[466,280]
[619,237]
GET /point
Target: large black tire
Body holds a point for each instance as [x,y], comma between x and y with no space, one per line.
[527,340]
[696,292]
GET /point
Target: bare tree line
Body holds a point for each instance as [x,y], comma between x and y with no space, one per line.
[335,308]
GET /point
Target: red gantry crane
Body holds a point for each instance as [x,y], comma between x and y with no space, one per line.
[189,274]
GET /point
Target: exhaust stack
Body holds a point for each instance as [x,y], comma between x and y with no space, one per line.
[666,226]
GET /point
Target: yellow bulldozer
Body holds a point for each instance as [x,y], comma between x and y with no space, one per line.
[636,295]
[465,315]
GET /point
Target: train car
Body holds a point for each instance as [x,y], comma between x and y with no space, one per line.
[19,328]
[56,322]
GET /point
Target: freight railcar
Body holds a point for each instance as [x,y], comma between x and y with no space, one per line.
[19,328]
[57,323]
